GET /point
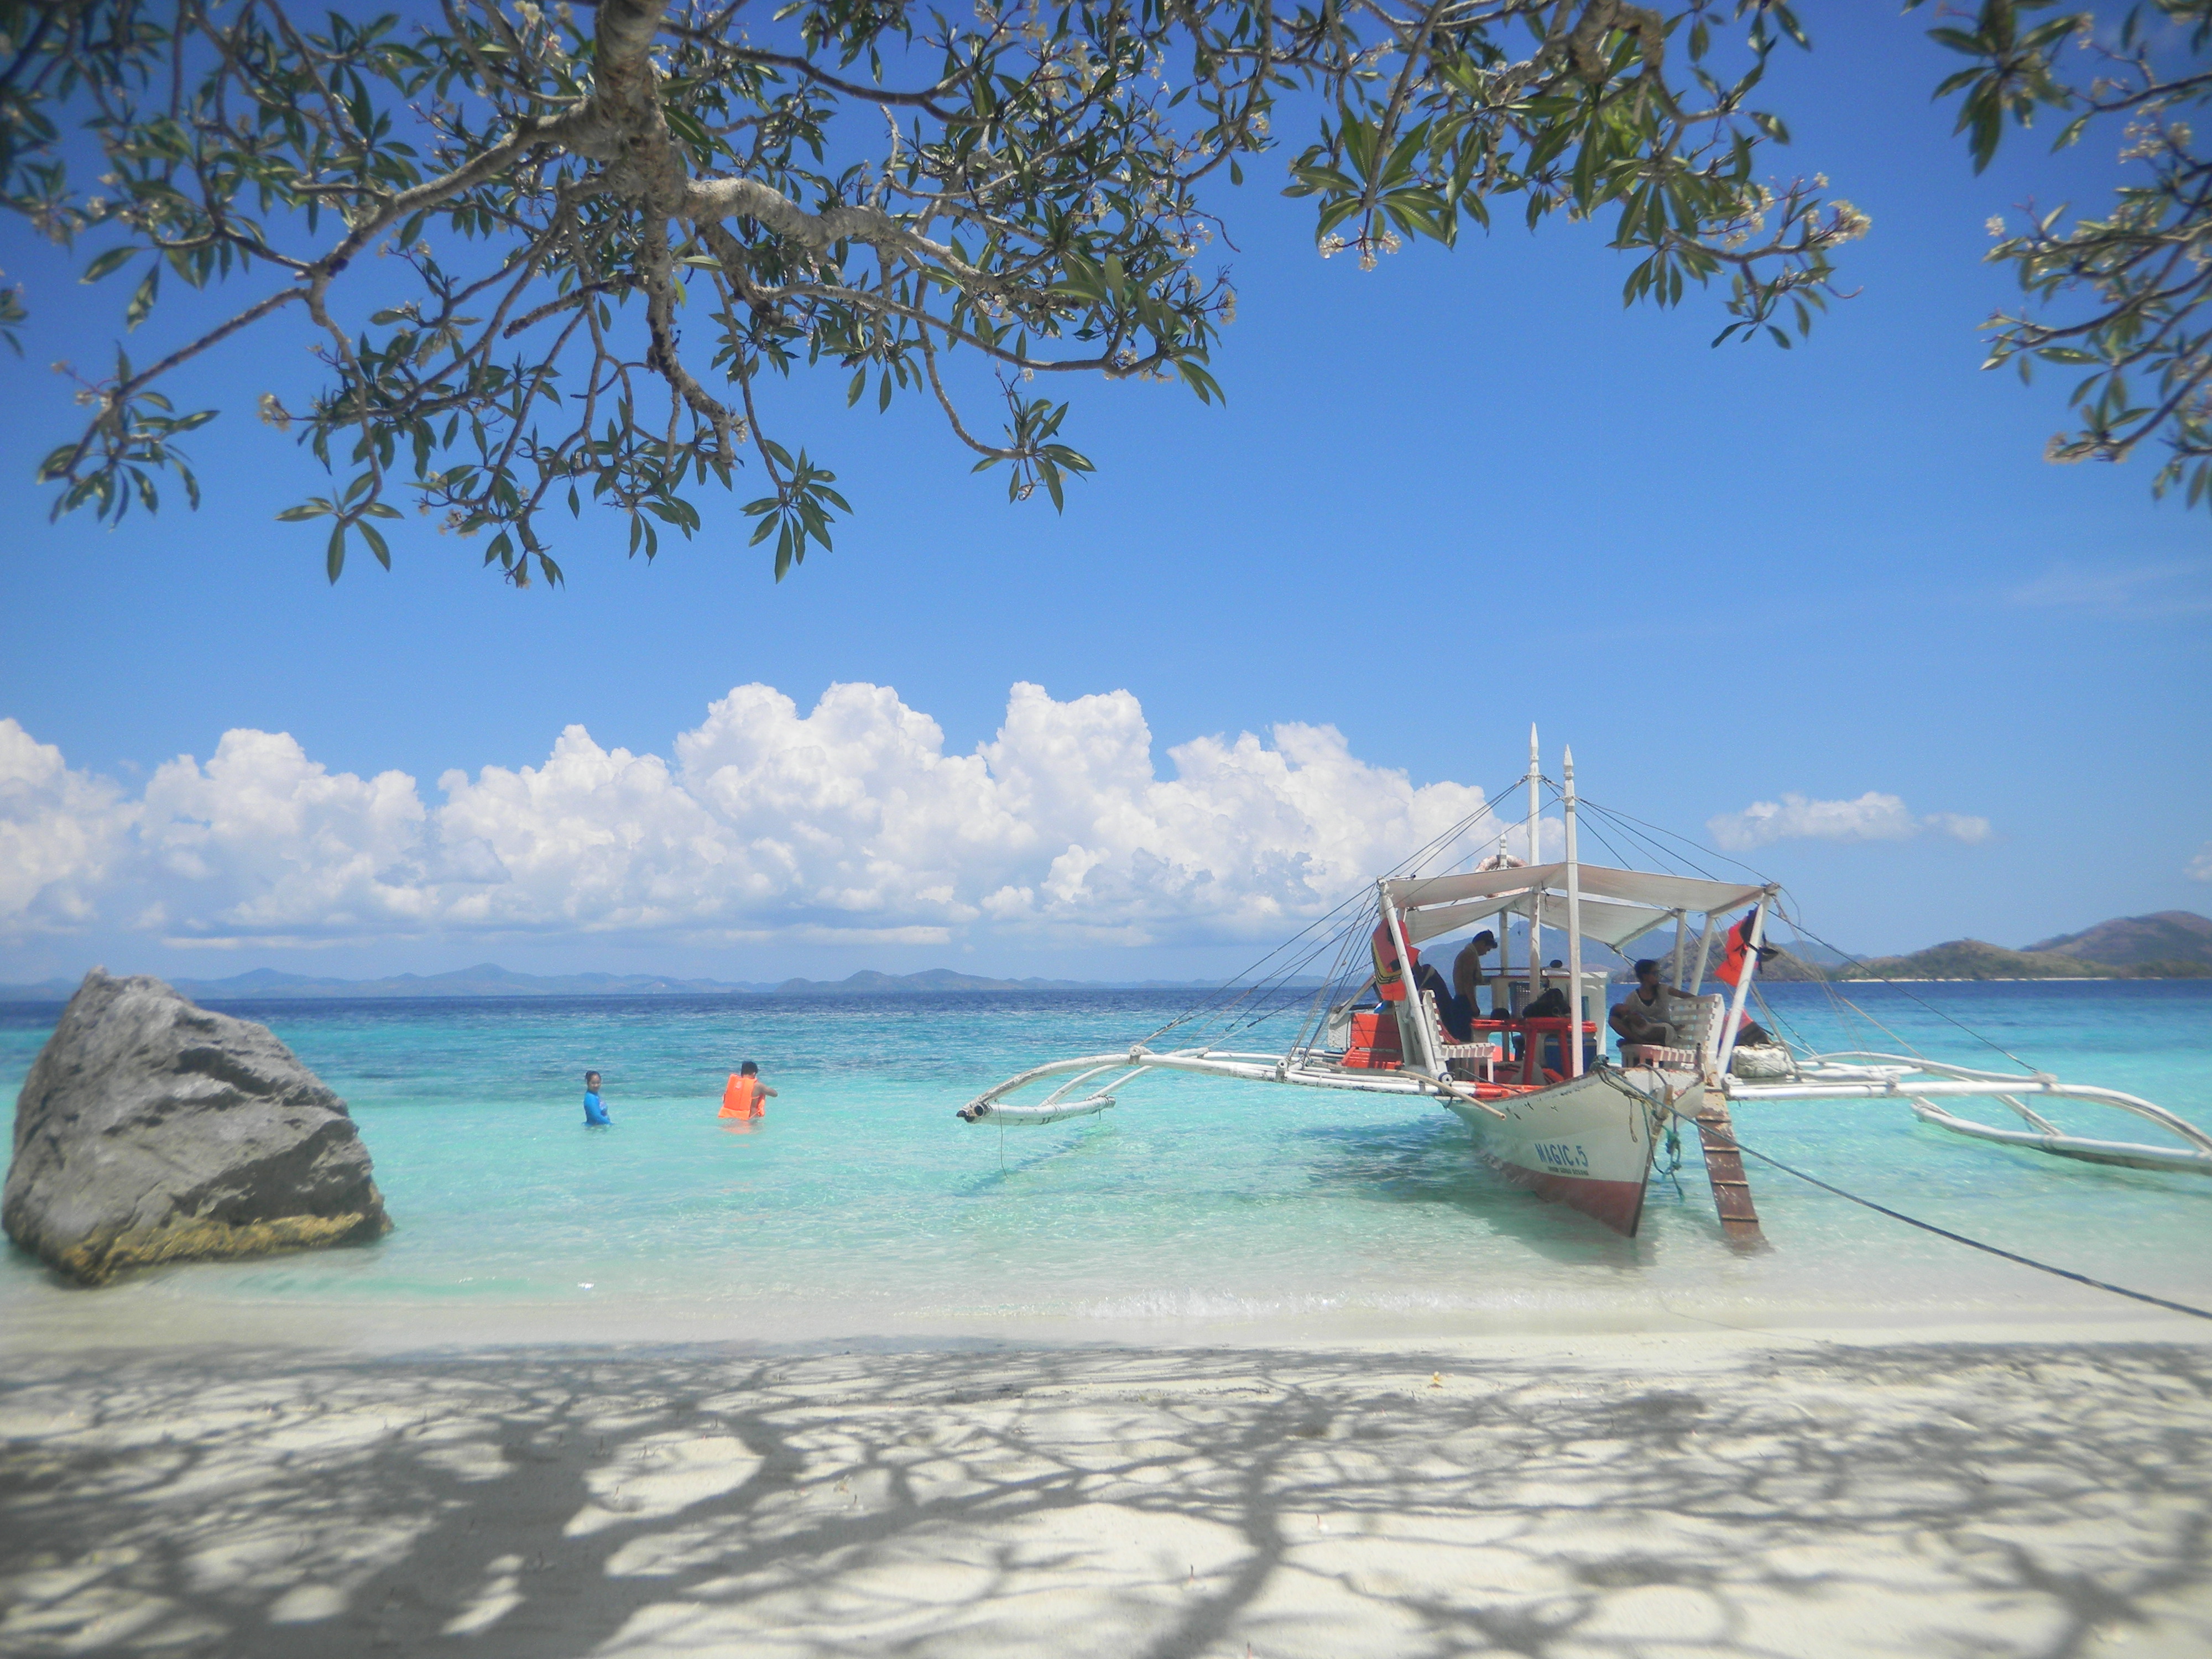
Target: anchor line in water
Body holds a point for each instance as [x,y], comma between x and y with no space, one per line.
[1945,1232]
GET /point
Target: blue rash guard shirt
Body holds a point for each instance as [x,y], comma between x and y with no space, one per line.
[595,1110]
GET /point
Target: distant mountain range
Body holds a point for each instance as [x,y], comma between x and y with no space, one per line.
[2160,940]
[869,984]
[489,980]
[485,980]
[2166,944]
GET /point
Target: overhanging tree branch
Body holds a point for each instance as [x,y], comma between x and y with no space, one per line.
[606,227]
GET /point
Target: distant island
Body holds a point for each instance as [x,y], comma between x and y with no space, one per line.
[489,980]
[2166,944]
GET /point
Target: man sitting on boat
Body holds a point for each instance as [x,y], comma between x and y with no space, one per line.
[1645,1015]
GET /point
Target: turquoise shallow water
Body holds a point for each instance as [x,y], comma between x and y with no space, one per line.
[860,1207]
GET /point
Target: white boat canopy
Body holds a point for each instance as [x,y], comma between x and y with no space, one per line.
[1617,905]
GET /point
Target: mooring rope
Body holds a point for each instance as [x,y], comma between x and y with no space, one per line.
[1945,1232]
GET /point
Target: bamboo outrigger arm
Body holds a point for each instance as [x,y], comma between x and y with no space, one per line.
[1859,1075]
[991,1107]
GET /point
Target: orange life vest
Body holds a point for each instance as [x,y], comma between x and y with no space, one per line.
[1389,979]
[741,1097]
[1739,947]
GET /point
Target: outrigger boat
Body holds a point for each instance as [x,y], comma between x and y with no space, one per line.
[1550,1110]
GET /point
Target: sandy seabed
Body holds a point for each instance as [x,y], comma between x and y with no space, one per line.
[1593,1495]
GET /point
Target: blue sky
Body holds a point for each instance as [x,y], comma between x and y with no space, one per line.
[1460,492]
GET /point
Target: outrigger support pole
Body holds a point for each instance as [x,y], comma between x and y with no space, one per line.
[1535,896]
[1574,933]
[1753,940]
[1412,993]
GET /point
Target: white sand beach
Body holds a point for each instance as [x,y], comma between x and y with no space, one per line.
[1615,1496]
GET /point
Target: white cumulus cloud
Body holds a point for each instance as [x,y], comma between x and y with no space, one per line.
[2200,868]
[62,835]
[1872,817]
[849,821]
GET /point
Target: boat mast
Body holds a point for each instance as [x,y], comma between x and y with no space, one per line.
[1753,940]
[1411,993]
[1574,932]
[1535,892]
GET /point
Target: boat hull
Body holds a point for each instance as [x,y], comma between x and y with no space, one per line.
[1583,1143]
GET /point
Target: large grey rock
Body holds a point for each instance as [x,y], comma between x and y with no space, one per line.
[150,1130]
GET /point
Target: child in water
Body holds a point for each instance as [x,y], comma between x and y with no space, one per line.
[743,1095]
[595,1110]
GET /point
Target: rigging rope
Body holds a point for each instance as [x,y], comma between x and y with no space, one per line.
[1930,1227]
[1850,961]
[1411,864]
[1624,820]
[1842,1006]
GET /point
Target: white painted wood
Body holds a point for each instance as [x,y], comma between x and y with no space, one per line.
[1574,931]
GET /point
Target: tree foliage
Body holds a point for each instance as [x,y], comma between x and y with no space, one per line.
[2123,296]
[555,258]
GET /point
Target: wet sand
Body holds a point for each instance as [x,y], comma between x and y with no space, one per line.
[1720,1494]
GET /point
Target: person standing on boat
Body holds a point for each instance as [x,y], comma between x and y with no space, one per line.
[1452,1009]
[1643,1015]
[1466,971]
[743,1095]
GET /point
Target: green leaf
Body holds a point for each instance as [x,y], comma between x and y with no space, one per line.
[142,302]
[108,263]
[334,560]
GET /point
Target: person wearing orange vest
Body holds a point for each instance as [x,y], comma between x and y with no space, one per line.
[1389,979]
[745,1092]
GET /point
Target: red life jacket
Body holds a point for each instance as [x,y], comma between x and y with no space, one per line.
[1389,980]
[1739,947]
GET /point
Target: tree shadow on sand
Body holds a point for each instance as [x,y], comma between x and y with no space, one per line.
[1934,1500]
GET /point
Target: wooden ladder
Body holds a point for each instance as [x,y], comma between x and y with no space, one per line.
[1724,1168]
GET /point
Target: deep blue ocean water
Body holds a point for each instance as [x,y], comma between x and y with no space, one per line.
[861,1207]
